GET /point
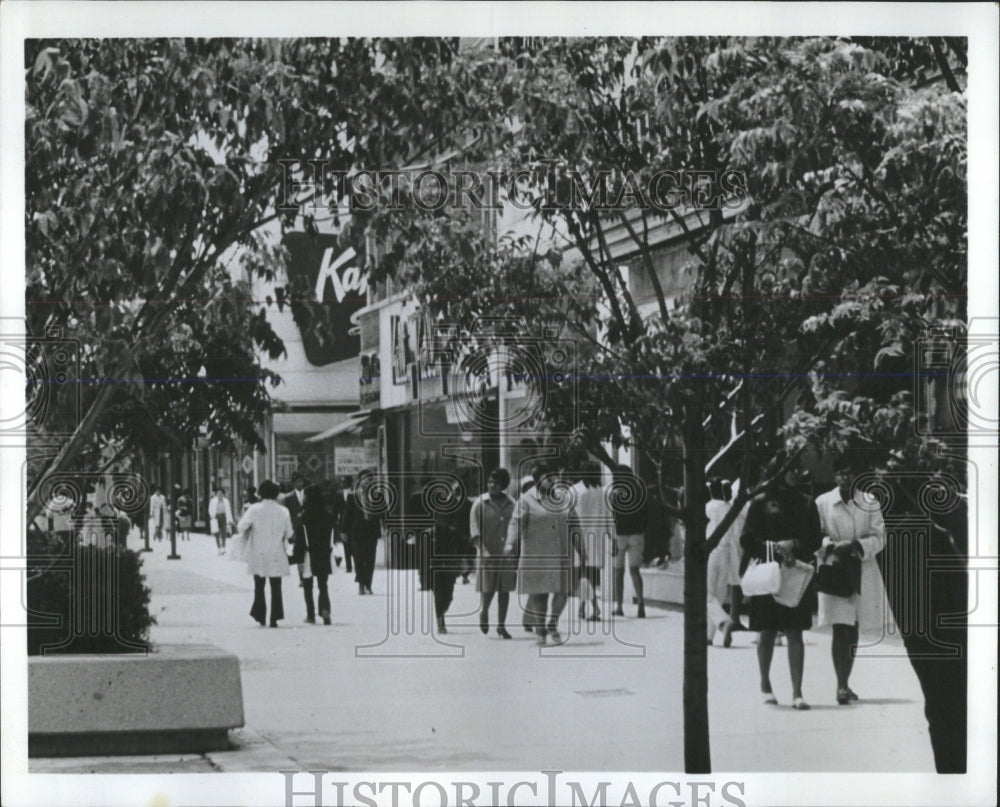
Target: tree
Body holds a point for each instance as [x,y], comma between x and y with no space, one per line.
[838,240]
[150,165]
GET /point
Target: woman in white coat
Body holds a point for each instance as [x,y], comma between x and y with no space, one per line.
[268,527]
[852,526]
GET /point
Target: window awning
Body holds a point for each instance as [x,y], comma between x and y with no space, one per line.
[354,421]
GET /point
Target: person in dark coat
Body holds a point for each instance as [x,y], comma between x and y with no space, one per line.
[789,521]
[364,528]
[339,508]
[292,501]
[418,537]
[312,550]
[449,547]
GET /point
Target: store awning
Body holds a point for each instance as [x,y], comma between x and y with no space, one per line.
[354,421]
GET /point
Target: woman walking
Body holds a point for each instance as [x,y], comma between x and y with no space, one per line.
[489,519]
[724,563]
[183,513]
[547,531]
[598,526]
[854,533]
[268,527]
[789,522]
[312,552]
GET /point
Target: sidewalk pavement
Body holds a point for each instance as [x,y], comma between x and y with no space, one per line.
[364,694]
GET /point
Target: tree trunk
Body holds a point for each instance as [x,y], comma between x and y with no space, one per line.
[69,451]
[697,754]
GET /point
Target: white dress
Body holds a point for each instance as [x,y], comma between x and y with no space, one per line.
[723,561]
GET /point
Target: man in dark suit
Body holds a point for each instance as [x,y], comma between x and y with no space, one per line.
[364,527]
[293,500]
[293,503]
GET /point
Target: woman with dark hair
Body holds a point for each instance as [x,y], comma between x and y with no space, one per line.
[789,522]
[267,526]
[312,551]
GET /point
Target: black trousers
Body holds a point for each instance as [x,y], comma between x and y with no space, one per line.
[364,560]
[323,603]
[259,608]
[443,585]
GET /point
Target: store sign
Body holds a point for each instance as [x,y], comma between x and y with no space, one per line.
[351,460]
[287,466]
[370,382]
[325,286]
[402,350]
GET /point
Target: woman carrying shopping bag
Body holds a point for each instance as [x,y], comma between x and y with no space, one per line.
[784,523]
[854,534]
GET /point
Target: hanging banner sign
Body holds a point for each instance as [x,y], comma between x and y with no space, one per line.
[325,286]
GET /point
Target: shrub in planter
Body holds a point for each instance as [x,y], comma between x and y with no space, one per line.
[85,598]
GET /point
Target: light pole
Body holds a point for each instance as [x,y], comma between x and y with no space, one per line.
[145,527]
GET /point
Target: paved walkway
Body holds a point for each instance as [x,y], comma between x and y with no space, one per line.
[361,695]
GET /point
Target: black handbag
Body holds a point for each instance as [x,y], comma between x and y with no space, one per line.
[839,575]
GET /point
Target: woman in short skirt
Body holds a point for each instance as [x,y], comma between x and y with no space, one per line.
[788,520]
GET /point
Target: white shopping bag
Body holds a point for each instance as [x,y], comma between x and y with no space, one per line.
[762,578]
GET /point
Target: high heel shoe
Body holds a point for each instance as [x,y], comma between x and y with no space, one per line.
[843,696]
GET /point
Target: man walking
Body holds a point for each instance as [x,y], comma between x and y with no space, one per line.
[293,501]
[489,521]
[157,513]
[364,527]
[340,502]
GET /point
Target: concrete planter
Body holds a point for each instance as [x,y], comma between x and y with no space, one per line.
[664,587]
[175,699]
